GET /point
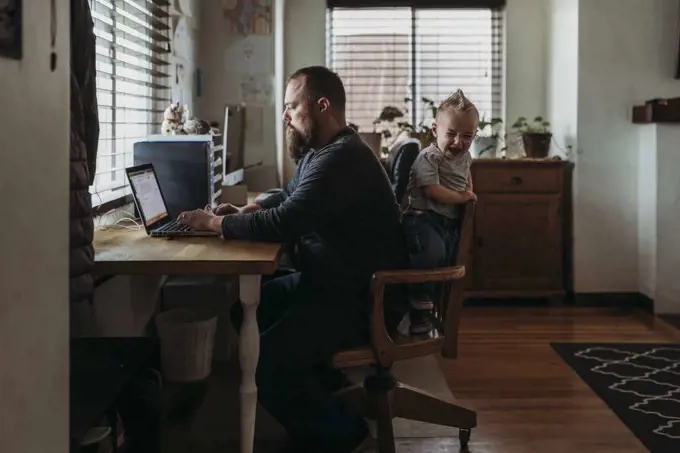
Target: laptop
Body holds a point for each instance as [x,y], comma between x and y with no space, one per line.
[151,205]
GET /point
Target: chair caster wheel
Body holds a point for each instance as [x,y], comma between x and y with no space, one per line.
[464,435]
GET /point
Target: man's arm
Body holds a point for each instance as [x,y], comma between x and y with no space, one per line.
[276,199]
[317,198]
[269,202]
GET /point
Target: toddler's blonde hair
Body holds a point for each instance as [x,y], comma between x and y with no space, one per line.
[458,103]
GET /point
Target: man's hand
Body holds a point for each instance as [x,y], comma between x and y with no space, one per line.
[201,220]
[228,208]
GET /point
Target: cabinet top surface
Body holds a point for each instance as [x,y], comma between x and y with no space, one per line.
[521,162]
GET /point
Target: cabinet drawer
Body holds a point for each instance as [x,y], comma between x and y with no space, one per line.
[518,179]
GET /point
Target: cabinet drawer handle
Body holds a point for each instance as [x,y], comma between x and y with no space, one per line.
[516,180]
[480,242]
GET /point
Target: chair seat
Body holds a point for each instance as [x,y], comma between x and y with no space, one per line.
[405,347]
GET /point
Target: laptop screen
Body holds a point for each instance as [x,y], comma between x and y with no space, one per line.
[149,198]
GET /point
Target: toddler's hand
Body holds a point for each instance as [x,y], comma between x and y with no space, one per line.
[470,195]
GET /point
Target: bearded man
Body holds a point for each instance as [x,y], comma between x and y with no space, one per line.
[340,213]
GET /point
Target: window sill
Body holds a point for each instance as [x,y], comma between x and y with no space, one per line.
[103,208]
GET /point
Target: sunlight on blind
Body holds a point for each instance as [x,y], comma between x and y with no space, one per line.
[458,48]
[133,83]
[370,50]
[385,55]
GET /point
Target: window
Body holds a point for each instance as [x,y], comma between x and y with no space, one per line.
[133,85]
[386,55]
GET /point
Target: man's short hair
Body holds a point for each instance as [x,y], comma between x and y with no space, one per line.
[321,82]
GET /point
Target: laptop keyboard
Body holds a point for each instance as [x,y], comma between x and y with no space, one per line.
[173,227]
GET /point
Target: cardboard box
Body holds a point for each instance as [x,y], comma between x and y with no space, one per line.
[236,195]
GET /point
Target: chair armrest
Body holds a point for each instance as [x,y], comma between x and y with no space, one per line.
[381,342]
[417,276]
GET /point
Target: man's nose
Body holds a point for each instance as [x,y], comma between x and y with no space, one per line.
[285,116]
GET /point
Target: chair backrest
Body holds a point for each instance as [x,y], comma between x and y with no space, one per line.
[399,166]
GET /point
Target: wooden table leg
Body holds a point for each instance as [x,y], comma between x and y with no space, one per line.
[249,353]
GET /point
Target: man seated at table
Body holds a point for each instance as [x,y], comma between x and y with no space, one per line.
[340,212]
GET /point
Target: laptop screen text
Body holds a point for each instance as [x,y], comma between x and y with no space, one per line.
[149,196]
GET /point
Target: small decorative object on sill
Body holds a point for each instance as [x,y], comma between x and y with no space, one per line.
[173,120]
[536,136]
[196,127]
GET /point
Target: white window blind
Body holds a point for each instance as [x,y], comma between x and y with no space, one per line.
[385,55]
[133,84]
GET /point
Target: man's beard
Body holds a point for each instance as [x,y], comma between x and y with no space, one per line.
[297,143]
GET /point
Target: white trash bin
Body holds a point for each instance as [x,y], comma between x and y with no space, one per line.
[187,337]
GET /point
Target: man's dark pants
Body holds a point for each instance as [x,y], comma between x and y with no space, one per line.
[302,325]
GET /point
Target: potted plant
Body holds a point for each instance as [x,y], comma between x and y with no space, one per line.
[391,115]
[536,136]
[486,140]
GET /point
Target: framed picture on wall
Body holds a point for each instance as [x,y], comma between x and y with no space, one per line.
[10,29]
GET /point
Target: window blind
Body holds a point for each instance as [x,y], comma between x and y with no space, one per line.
[133,84]
[386,55]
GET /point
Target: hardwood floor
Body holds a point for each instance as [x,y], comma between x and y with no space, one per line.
[527,399]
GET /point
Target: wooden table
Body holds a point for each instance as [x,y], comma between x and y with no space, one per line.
[131,252]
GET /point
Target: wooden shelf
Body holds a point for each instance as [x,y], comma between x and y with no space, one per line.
[666,111]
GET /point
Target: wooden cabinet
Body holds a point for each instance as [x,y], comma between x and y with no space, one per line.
[521,229]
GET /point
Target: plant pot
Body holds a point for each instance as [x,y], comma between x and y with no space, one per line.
[536,144]
[484,147]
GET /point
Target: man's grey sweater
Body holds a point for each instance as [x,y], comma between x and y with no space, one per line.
[339,211]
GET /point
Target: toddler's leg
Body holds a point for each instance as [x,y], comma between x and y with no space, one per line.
[426,248]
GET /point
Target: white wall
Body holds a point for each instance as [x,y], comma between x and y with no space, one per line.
[626,56]
[34,126]
[562,73]
[304,42]
[184,59]
[222,77]
[647,209]
[526,59]
[667,265]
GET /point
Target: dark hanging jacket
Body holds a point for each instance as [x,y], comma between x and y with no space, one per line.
[83,150]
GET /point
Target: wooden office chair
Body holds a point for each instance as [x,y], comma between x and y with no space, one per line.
[380,397]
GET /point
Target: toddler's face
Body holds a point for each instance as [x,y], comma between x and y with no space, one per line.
[455,130]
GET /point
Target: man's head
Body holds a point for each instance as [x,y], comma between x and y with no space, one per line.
[456,123]
[314,109]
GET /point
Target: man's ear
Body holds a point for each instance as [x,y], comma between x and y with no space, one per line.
[323,104]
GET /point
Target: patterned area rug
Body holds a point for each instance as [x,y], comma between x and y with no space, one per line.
[640,382]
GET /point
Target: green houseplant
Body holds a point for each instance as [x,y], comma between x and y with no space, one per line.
[536,136]
[393,118]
